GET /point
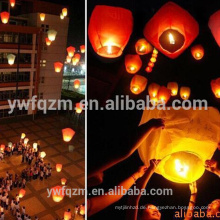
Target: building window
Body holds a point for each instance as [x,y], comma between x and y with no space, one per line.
[10,37]
[42,79]
[43,63]
[41,95]
[45,28]
[11,94]
[11,77]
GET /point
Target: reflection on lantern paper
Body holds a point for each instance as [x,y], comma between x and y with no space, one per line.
[143,47]
[133,63]
[190,137]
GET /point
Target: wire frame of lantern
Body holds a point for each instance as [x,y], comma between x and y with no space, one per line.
[5,17]
[11,59]
[173,86]
[42,16]
[52,35]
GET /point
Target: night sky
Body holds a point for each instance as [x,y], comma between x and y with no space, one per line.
[109,132]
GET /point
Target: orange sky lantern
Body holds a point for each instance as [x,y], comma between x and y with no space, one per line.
[58,67]
[59,167]
[77,57]
[215,85]
[68,59]
[214,26]
[48,42]
[21,193]
[150,64]
[109,30]
[71,50]
[133,63]
[138,84]
[68,134]
[58,193]
[171,30]
[12,3]
[197,52]
[143,47]
[42,154]
[185,92]
[42,16]
[63,181]
[79,108]
[153,90]
[76,84]
[173,86]
[64,12]
[164,94]
[148,69]
[5,17]
[82,48]
[52,35]
[2,148]
[67,215]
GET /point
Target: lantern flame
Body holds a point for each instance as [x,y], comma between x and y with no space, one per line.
[109,49]
[182,169]
[171,39]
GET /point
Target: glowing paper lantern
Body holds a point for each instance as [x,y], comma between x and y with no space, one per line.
[5,17]
[148,69]
[48,42]
[109,30]
[23,135]
[171,30]
[163,94]
[52,35]
[64,12]
[153,59]
[35,146]
[67,215]
[11,59]
[133,63]
[138,84]
[74,61]
[68,134]
[197,52]
[58,67]
[154,101]
[155,51]
[71,50]
[42,16]
[61,16]
[12,3]
[26,140]
[76,84]
[215,85]
[42,154]
[10,144]
[68,59]
[77,57]
[215,26]
[150,64]
[82,210]
[78,108]
[2,147]
[58,193]
[21,193]
[185,93]
[153,89]
[63,181]
[143,47]
[173,86]
[59,167]
[82,48]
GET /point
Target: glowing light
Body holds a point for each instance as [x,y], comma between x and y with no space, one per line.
[11,59]
[171,39]
[181,168]
[42,16]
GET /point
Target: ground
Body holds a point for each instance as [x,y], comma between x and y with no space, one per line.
[47,129]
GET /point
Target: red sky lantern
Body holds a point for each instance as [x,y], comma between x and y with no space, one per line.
[2,147]
[109,30]
[48,42]
[79,108]
[164,94]
[133,63]
[82,48]
[214,26]
[59,167]
[150,64]
[143,47]
[173,86]
[68,134]
[5,17]
[58,67]
[76,84]
[77,57]
[185,92]
[21,193]
[153,90]
[148,69]
[138,84]
[58,193]
[71,50]
[67,215]
[215,84]
[12,3]
[197,52]
[63,181]
[171,30]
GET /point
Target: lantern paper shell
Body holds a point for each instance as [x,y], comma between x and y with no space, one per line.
[59,167]
[143,47]
[64,12]
[42,154]
[185,93]
[76,84]
[63,181]
[42,16]
[79,108]
[58,193]
[214,26]
[68,134]
[5,17]
[171,30]
[52,35]
[71,50]
[138,84]
[173,86]
[12,3]
[197,52]
[23,135]
[21,193]
[58,67]
[153,89]
[82,49]
[61,16]
[215,85]
[26,140]
[67,215]
[48,42]
[11,59]
[133,63]
[163,94]
[109,30]
[77,57]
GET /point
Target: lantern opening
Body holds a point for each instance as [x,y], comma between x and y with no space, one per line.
[110,51]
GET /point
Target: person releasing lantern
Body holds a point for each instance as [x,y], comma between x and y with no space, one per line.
[58,67]
[59,167]
[42,16]
[185,93]
[71,50]
[143,47]
[163,94]
[5,17]
[215,85]
[12,3]
[52,35]
[22,193]
[68,134]
[173,86]
[58,193]
[133,63]
[197,52]
[82,48]
[109,34]
[138,84]
[48,42]
[11,59]
[76,84]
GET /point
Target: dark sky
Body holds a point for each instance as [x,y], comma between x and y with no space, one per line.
[109,132]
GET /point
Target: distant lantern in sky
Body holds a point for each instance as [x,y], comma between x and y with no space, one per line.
[21,193]
[58,193]
[171,30]
[82,48]
[133,63]
[48,42]
[11,59]
[12,3]
[58,67]
[26,141]
[143,47]
[68,59]
[153,89]
[64,12]
[68,134]
[215,85]
[77,56]
[197,52]
[61,16]
[71,50]
[5,17]
[109,30]
[163,94]
[59,167]
[74,61]
[42,16]
[76,84]
[148,69]
[79,108]
[63,181]
[23,135]
[138,84]
[185,93]
[214,26]
[173,86]
[52,35]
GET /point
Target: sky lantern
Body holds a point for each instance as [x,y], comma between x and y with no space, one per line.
[74,61]
[197,52]
[164,94]
[2,147]
[42,154]
[10,144]
[23,135]
[138,84]
[82,48]
[77,57]
[185,92]
[64,12]
[215,85]
[68,59]
[12,3]
[62,16]
[5,17]
[48,42]
[171,30]
[59,167]
[35,146]
[11,59]
[143,47]
[215,26]
[42,16]
[133,63]
[150,64]
[109,30]
[82,210]
[78,108]
[68,134]
[67,216]
[52,35]
[173,86]
[148,69]
[153,89]
[58,67]
[63,181]
[153,60]
[21,193]
[76,84]
[26,141]
[71,50]
[58,193]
